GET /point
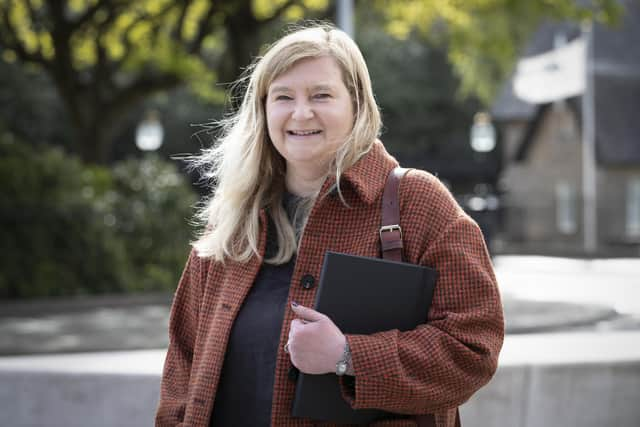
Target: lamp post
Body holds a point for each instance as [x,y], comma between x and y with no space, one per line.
[483,134]
[483,204]
[589,166]
[149,132]
[344,16]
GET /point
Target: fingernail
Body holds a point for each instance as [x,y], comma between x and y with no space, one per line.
[293,303]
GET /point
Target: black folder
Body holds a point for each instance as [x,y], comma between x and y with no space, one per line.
[362,296]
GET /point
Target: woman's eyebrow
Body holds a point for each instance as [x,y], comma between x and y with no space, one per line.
[279,89]
[318,87]
[321,87]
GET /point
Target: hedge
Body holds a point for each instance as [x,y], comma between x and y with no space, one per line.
[71,229]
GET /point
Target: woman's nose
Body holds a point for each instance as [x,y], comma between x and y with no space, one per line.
[302,111]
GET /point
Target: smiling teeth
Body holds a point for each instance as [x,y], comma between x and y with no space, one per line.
[304,133]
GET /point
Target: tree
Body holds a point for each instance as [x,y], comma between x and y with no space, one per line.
[425,124]
[483,37]
[106,56]
[422,115]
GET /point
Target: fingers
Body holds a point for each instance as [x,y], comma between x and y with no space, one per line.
[298,322]
[296,328]
[306,313]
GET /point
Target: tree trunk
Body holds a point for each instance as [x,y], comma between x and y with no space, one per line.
[94,141]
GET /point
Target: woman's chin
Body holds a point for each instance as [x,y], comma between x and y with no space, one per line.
[303,156]
[306,162]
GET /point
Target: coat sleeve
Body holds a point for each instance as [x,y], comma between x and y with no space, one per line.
[183,323]
[440,364]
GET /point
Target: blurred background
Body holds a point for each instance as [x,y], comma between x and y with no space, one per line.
[529,111]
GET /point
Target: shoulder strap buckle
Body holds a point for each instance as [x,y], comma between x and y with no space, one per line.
[390,230]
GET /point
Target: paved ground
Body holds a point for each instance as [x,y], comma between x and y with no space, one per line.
[89,324]
[545,293]
[539,293]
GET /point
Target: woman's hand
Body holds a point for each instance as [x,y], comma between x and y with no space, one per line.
[315,343]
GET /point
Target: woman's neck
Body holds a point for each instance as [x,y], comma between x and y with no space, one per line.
[304,182]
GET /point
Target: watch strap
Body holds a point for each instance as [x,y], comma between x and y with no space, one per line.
[344,363]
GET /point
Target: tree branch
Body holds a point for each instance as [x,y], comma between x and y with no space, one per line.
[128,47]
[32,12]
[56,9]
[176,34]
[61,67]
[88,14]
[280,11]
[204,28]
[139,89]
[104,69]
[157,20]
[13,42]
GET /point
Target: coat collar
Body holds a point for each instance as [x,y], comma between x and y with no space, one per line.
[368,176]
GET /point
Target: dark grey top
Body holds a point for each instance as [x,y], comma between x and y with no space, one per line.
[245,389]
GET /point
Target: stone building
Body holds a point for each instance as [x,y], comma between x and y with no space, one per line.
[542,151]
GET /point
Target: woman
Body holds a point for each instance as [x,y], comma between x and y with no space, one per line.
[299,171]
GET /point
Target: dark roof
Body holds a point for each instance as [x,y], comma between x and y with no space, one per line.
[507,106]
[543,39]
[620,45]
[617,89]
[618,121]
[616,83]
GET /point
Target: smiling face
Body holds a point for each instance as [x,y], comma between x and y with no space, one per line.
[309,114]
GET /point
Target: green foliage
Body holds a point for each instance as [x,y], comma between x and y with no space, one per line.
[30,106]
[52,242]
[151,204]
[483,37]
[106,57]
[182,39]
[68,229]
[422,116]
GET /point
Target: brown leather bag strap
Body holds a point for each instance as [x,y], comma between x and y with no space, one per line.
[390,231]
[430,421]
[427,420]
[391,244]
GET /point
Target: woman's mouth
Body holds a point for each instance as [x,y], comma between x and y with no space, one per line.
[303,132]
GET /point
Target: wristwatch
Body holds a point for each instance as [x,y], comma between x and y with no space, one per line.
[343,363]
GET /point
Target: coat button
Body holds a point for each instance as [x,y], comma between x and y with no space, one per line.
[307,281]
[293,374]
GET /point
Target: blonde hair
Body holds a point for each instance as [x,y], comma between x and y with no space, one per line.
[245,168]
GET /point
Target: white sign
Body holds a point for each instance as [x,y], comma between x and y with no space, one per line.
[552,76]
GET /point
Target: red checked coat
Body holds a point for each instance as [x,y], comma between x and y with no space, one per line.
[429,370]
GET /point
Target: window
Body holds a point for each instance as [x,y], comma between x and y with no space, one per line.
[566,221]
[633,207]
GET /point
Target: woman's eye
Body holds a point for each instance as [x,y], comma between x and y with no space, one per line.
[322,95]
[283,98]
